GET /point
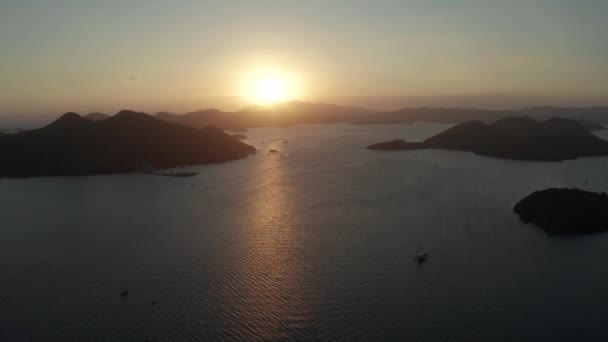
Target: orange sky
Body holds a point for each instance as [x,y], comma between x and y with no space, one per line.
[186,55]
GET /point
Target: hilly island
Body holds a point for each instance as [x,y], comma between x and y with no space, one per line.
[124,143]
[520,138]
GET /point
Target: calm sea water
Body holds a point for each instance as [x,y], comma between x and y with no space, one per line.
[312,243]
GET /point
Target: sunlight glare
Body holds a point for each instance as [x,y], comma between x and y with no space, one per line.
[271,86]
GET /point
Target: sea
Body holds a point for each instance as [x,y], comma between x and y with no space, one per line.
[315,242]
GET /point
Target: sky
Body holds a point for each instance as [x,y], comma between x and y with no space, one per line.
[181,55]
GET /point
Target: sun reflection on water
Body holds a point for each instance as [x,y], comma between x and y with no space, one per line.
[267,290]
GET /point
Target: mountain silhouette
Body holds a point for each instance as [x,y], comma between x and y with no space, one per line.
[565,211]
[594,113]
[126,142]
[521,138]
[296,112]
[442,115]
[283,114]
[591,117]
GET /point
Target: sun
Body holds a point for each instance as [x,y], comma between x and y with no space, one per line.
[269,90]
[268,86]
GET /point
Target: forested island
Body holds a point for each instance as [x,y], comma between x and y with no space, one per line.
[521,138]
[565,211]
[126,142]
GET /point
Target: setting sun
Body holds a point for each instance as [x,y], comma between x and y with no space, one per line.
[270,86]
[269,90]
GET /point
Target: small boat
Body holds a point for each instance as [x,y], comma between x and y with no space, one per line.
[124,293]
[273,151]
[421,258]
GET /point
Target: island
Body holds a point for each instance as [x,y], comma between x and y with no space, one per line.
[520,138]
[565,211]
[123,143]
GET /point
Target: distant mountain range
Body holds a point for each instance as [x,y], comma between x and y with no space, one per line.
[286,114]
[592,117]
[522,138]
[126,142]
[295,112]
